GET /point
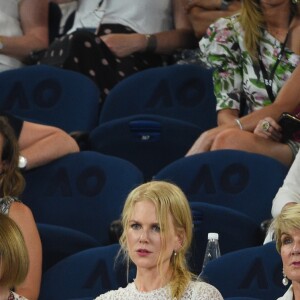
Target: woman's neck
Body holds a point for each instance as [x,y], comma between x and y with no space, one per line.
[296,290]
[278,22]
[277,16]
[147,281]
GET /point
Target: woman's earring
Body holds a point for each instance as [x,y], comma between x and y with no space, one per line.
[285,281]
[175,253]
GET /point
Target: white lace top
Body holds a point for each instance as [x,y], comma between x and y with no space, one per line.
[196,290]
[289,295]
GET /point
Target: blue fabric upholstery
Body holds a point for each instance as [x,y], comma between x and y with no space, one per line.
[148,141]
[59,242]
[86,274]
[182,92]
[252,272]
[236,231]
[52,96]
[240,180]
[84,191]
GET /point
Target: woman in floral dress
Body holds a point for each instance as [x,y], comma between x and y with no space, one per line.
[253,53]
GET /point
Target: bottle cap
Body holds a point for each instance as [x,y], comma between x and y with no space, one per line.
[213,236]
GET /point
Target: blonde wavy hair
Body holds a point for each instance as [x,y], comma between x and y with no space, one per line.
[14,259]
[287,220]
[167,198]
[252,20]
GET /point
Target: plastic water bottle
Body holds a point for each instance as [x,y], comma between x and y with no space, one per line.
[212,249]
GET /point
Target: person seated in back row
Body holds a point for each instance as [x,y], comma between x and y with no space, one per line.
[157,234]
[23,30]
[131,36]
[253,53]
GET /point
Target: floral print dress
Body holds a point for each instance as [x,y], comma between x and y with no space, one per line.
[235,72]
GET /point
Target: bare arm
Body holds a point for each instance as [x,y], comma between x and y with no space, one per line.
[181,37]
[227,116]
[202,13]
[34,20]
[41,144]
[286,101]
[22,215]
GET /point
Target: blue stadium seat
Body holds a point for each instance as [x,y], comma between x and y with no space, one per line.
[236,231]
[150,142]
[83,191]
[59,242]
[243,181]
[52,96]
[183,92]
[85,274]
[251,272]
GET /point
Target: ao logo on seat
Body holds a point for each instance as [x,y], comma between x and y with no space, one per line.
[88,183]
[257,275]
[188,95]
[233,179]
[45,94]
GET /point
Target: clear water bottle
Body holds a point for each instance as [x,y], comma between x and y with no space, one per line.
[212,249]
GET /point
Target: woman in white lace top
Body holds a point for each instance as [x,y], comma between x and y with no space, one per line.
[157,233]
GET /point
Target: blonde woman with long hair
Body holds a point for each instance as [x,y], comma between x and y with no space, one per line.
[157,233]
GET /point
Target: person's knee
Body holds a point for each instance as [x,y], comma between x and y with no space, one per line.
[227,139]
